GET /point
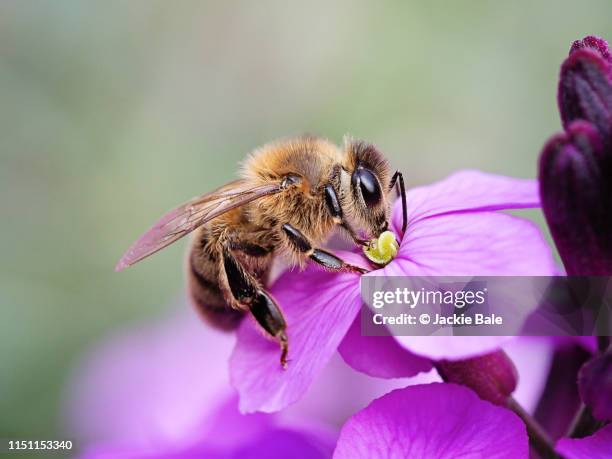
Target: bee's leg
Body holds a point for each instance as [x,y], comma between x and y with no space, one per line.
[246,291]
[326,259]
[333,205]
[399,178]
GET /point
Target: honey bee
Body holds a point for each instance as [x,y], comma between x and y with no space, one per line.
[291,195]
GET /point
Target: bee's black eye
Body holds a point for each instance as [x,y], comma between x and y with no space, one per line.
[368,184]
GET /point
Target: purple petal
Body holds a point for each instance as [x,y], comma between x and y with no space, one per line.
[127,452]
[532,356]
[260,435]
[468,244]
[319,308]
[274,443]
[140,386]
[225,427]
[595,384]
[380,356]
[576,188]
[597,446]
[452,347]
[339,392]
[282,443]
[432,421]
[472,244]
[467,191]
[228,434]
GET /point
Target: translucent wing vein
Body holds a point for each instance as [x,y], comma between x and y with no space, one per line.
[184,219]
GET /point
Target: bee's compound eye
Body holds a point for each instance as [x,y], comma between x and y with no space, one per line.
[368,185]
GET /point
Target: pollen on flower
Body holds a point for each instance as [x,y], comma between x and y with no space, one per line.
[382,249]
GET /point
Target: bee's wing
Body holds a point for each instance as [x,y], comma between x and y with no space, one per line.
[187,217]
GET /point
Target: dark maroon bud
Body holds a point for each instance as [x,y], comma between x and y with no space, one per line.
[576,191]
[492,376]
[595,384]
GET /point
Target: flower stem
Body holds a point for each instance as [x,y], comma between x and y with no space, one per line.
[584,424]
[538,438]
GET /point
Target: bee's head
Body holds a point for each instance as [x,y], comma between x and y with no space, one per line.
[368,192]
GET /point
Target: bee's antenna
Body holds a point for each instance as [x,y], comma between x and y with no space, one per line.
[399,178]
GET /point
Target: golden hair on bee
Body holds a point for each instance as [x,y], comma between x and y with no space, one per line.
[291,195]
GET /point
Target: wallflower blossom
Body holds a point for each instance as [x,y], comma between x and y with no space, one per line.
[454,228]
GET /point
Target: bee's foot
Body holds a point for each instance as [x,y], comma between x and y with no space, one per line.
[358,269]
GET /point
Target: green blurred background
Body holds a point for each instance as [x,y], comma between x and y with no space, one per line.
[113,112]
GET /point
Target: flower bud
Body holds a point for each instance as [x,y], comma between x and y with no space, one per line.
[575,169]
[492,376]
[585,86]
[576,193]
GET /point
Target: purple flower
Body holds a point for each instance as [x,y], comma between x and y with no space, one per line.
[454,228]
[432,421]
[576,165]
